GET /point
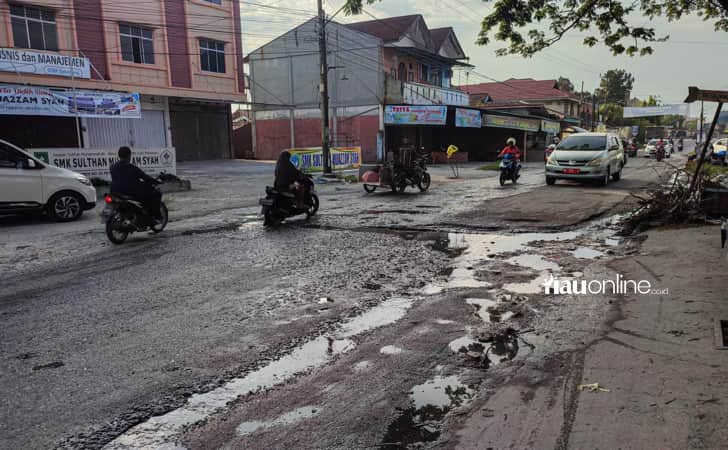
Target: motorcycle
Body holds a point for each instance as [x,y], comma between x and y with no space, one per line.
[508,169]
[414,175]
[280,205]
[123,215]
[660,153]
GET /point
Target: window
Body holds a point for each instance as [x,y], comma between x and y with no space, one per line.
[33,27]
[425,73]
[137,45]
[212,56]
[217,2]
[9,158]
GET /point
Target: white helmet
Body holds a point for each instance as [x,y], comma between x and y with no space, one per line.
[511,141]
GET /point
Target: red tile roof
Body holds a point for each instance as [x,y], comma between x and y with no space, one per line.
[518,89]
[389,29]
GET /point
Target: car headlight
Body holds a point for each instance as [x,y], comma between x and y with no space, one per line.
[552,161]
[83,180]
[596,162]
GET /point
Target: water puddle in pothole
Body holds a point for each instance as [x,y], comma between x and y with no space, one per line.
[533,261]
[612,242]
[586,253]
[492,351]
[390,350]
[444,321]
[288,418]
[361,366]
[430,402]
[534,286]
[161,430]
[476,248]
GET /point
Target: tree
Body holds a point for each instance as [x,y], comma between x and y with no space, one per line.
[615,87]
[611,114]
[565,84]
[529,26]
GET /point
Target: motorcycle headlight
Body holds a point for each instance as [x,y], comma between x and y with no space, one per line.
[83,180]
[596,162]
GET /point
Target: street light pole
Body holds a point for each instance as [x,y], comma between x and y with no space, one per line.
[324,90]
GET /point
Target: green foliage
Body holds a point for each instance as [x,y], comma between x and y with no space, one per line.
[615,87]
[565,84]
[490,166]
[612,114]
[623,27]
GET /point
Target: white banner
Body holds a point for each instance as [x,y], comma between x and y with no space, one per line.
[679,109]
[39,63]
[95,163]
[41,101]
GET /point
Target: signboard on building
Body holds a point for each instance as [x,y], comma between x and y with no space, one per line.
[415,115]
[550,127]
[41,101]
[310,160]
[39,63]
[468,118]
[515,123]
[95,163]
[680,109]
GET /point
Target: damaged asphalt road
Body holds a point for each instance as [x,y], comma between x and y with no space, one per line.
[176,326]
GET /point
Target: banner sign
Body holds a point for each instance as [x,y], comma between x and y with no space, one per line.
[635,130]
[38,63]
[95,163]
[415,115]
[40,101]
[515,123]
[679,109]
[550,127]
[310,160]
[468,118]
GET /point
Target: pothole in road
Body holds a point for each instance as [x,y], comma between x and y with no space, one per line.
[162,430]
[430,403]
[289,418]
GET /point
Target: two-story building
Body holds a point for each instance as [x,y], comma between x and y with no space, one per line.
[518,95]
[95,74]
[388,78]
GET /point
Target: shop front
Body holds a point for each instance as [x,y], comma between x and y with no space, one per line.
[82,129]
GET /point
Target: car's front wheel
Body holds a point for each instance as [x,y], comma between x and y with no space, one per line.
[550,181]
[65,206]
[617,175]
[605,180]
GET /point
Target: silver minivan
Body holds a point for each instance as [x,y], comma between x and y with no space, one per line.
[586,156]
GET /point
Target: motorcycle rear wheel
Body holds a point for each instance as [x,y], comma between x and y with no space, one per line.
[270,219]
[114,231]
[425,181]
[157,228]
[313,209]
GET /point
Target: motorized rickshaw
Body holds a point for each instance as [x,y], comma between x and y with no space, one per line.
[403,167]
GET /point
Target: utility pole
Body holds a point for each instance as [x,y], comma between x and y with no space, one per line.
[324,89]
[581,106]
[700,134]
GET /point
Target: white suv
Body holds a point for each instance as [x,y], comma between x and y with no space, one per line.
[28,185]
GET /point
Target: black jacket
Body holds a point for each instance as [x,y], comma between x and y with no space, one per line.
[286,173]
[126,178]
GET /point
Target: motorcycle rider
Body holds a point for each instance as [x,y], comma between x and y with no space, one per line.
[680,145]
[286,177]
[128,179]
[512,149]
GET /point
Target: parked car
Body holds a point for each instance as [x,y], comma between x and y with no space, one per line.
[652,147]
[586,156]
[28,185]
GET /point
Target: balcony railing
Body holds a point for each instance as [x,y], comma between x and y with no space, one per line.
[425,94]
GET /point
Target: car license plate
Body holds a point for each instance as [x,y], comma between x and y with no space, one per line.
[571,171]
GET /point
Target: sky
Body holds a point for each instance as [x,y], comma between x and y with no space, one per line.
[693,56]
